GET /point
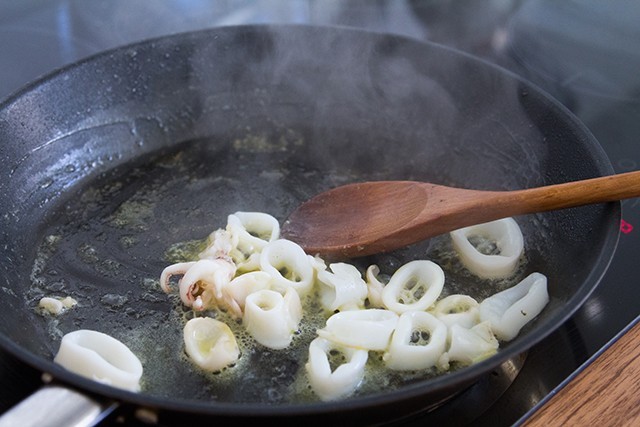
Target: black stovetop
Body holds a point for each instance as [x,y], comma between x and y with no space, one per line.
[586,53]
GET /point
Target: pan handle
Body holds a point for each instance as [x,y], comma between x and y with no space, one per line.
[56,405]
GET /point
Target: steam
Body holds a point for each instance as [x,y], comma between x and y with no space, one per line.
[428,113]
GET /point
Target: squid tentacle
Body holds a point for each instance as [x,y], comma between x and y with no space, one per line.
[173,270]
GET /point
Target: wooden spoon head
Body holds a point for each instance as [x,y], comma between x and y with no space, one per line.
[356,219]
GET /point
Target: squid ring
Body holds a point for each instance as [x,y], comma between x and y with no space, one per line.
[414,286]
[404,354]
[341,382]
[100,357]
[505,234]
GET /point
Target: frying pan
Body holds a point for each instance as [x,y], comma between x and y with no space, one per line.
[121,164]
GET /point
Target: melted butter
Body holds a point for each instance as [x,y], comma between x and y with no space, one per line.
[116,280]
[278,376]
[377,376]
[185,251]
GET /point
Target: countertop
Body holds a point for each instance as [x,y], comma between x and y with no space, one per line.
[604,393]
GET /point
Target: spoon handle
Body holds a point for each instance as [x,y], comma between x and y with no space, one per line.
[571,194]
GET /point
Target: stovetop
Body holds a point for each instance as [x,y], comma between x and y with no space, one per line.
[586,53]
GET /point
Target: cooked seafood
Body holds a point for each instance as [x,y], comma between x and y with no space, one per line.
[490,250]
[250,273]
[210,343]
[100,357]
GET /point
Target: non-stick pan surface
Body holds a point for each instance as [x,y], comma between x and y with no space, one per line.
[123,163]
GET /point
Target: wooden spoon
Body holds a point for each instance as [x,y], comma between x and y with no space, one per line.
[371,217]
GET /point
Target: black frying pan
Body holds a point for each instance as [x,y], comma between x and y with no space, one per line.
[108,164]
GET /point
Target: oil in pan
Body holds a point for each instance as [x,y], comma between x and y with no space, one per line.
[107,245]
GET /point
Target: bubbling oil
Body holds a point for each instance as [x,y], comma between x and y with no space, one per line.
[298,390]
[104,252]
[260,374]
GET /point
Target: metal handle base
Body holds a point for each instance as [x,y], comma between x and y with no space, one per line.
[56,405]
